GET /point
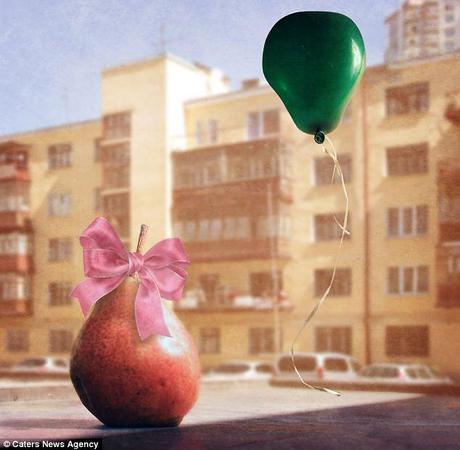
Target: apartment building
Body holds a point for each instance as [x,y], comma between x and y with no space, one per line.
[422,29]
[251,197]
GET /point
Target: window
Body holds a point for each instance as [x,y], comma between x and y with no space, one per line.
[58,293]
[97,199]
[449,46]
[59,204]
[408,280]
[60,341]
[14,244]
[407,341]
[14,196]
[209,283]
[210,340]
[116,162]
[97,149]
[59,155]
[453,264]
[17,340]
[326,227]
[263,123]
[407,99]
[303,363]
[324,168]
[449,18]
[262,284]
[116,209]
[335,365]
[117,125]
[59,249]
[407,160]
[13,287]
[190,230]
[261,340]
[341,285]
[207,136]
[333,339]
[449,32]
[409,221]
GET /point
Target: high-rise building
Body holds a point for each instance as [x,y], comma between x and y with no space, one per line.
[422,29]
[251,197]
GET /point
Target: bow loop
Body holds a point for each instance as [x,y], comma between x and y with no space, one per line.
[106,263]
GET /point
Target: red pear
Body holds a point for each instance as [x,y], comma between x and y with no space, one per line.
[127,382]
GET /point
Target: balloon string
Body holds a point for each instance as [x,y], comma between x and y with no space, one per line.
[343,226]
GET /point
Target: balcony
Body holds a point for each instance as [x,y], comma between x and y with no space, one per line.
[11,308]
[233,170]
[16,263]
[14,220]
[449,295]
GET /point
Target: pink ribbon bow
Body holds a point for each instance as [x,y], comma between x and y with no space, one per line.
[106,263]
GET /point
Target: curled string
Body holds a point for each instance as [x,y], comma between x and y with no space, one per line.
[343,226]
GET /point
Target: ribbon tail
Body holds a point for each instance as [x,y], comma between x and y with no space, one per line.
[150,318]
[90,290]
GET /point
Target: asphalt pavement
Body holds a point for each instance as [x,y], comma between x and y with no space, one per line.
[256,417]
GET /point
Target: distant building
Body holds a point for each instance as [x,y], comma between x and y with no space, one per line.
[251,197]
[422,29]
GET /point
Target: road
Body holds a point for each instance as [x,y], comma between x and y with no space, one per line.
[259,417]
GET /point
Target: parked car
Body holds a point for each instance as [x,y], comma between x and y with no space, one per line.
[317,367]
[240,371]
[394,373]
[41,365]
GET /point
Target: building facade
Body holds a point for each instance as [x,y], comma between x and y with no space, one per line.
[253,201]
[422,29]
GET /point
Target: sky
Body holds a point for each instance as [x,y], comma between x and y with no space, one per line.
[52,52]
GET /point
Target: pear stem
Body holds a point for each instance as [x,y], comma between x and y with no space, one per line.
[141,240]
[140,244]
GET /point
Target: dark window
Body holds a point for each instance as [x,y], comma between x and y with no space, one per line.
[271,121]
[261,340]
[58,293]
[210,340]
[407,99]
[117,125]
[116,166]
[59,249]
[60,341]
[407,341]
[97,149]
[389,372]
[333,339]
[262,284]
[116,210]
[407,160]
[232,368]
[17,340]
[409,221]
[408,280]
[59,155]
[341,285]
[336,365]
[324,168]
[327,228]
[264,368]
[210,283]
[303,364]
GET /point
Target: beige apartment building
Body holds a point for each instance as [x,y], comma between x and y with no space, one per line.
[251,197]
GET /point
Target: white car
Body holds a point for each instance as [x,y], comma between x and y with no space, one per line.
[392,373]
[317,367]
[41,365]
[240,371]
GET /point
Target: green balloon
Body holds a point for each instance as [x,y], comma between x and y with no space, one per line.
[314,60]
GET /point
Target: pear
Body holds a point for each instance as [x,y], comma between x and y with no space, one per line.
[126,382]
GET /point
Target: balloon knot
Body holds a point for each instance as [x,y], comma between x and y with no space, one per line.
[319,137]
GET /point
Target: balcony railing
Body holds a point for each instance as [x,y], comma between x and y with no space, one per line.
[194,302]
[449,295]
[449,231]
[257,248]
[10,308]
[12,220]
[16,263]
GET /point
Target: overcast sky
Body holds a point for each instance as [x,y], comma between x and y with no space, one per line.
[52,51]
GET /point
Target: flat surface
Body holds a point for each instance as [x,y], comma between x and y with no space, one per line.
[259,417]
